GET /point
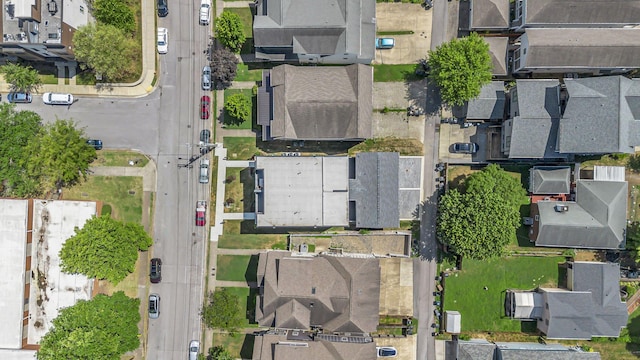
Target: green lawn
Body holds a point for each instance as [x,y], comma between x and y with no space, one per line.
[235,238]
[239,194]
[244,74]
[406,147]
[245,17]
[50,79]
[115,191]
[240,346]
[248,93]
[119,158]
[386,73]
[237,267]
[247,298]
[483,310]
[240,148]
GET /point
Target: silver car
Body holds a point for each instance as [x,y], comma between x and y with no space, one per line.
[206,78]
[194,348]
[204,171]
[154,306]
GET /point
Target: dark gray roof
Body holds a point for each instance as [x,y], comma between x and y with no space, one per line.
[528,351]
[490,104]
[596,220]
[498,51]
[323,27]
[489,14]
[602,116]
[596,13]
[549,180]
[375,190]
[475,350]
[318,103]
[339,294]
[280,347]
[581,48]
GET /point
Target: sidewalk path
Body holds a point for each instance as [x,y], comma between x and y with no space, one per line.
[239,216]
[250,284]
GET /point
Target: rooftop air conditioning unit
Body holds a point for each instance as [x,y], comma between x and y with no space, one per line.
[561,208]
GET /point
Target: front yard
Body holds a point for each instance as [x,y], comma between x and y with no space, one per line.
[237,267]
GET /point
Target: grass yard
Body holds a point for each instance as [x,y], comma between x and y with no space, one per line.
[239,190]
[244,74]
[394,73]
[240,148]
[247,298]
[119,158]
[483,310]
[129,284]
[248,93]
[240,346]
[406,147]
[237,267]
[245,17]
[113,191]
[252,241]
[50,79]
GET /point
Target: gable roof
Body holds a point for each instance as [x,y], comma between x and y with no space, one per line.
[596,220]
[498,52]
[283,347]
[318,103]
[549,180]
[340,294]
[600,13]
[490,14]
[490,104]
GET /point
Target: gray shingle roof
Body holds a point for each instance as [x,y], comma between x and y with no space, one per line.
[601,13]
[498,51]
[596,220]
[490,104]
[490,14]
[375,190]
[549,180]
[318,103]
[483,350]
[279,347]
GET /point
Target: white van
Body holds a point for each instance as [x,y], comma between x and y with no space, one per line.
[205,12]
[57,99]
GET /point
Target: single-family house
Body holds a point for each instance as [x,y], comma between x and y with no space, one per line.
[481,349]
[295,344]
[489,15]
[489,105]
[498,46]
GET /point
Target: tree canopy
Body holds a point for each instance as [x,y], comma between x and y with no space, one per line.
[460,68]
[238,107]
[116,13]
[230,31]
[104,249]
[104,327]
[219,353]
[21,78]
[105,49]
[222,311]
[224,65]
[493,178]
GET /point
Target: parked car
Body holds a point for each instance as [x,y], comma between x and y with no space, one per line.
[163,40]
[194,349]
[155,273]
[206,78]
[201,213]
[163,8]
[204,171]
[205,136]
[385,43]
[205,12]
[205,103]
[154,306]
[18,97]
[97,144]
[386,351]
[57,99]
[465,148]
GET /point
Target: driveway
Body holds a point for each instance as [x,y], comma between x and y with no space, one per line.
[398,17]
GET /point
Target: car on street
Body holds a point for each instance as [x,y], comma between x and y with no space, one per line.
[386,351]
[205,104]
[206,78]
[97,144]
[155,272]
[163,8]
[385,43]
[204,171]
[201,213]
[163,40]
[464,148]
[19,97]
[57,99]
[205,12]
[154,306]
[194,349]
[205,136]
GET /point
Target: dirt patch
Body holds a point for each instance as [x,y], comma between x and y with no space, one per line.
[379,243]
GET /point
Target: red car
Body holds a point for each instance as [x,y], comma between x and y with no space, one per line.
[201,213]
[205,103]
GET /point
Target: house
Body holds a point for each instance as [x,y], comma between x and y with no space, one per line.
[550,180]
[498,46]
[576,50]
[291,344]
[308,31]
[480,349]
[37,30]
[316,103]
[489,105]
[489,15]
[589,307]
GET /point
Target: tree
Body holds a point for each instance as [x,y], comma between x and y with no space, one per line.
[230,31]
[460,68]
[21,78]
[223,311]
[116,13]
[105,49]
[17,129]
[494,179]
[224,65]
[104,249]
[104,327]
[59,155]
[238,106]
[219,353]
[633,240]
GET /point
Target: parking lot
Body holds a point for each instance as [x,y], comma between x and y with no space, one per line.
[399,17]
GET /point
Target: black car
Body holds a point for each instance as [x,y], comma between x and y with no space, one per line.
[163,8]
[155,274]
[97,144]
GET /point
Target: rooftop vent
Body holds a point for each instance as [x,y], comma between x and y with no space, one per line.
[561,208]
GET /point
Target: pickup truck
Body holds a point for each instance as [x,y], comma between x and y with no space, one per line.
[201,213]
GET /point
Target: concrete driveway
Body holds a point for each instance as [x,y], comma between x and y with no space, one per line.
[403,17]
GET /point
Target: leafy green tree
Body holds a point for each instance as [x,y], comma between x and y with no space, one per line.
[17,129]
[104,249]
[21,78]
[238,107]
[116,13]
[219,353]
[105,49]
[460,68]
[230,31]
[59,155]
[104,327]
[494,179]
[223,311]
[224,65]
[633,240]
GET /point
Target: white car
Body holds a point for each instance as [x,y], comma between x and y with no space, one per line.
[163,40]
[194,349]
[57,99]
[205,11]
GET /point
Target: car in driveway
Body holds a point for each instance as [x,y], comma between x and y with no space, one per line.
[201,213]
[464,148]
[163,40]
[163,8]
[386,351]
[97,144]
[206,78]
[154,306]
[385,43]
[19,97]
[205,104]
[194,349]
[155,271]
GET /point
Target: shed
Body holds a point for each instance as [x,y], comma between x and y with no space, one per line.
[452,322]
